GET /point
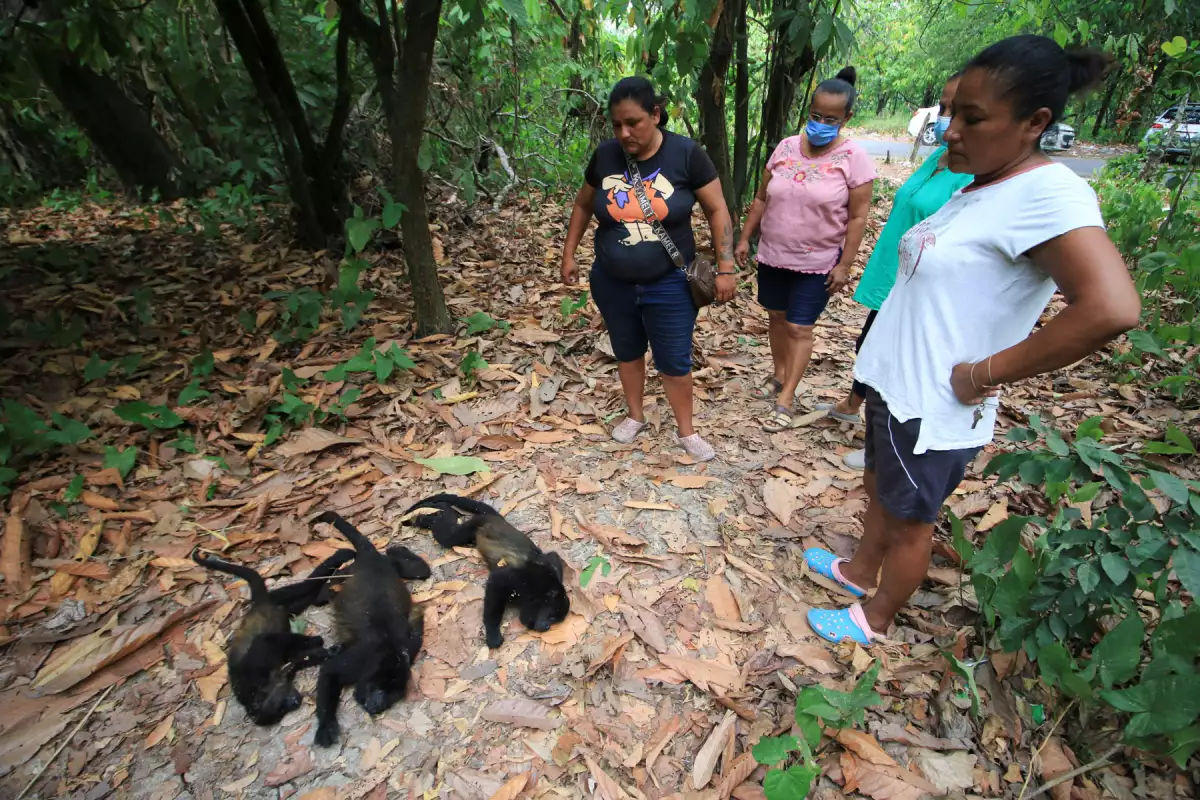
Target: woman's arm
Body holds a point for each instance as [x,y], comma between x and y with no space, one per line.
[581,215]
[1102,303]
[753,219]
[713,202]
[856,226]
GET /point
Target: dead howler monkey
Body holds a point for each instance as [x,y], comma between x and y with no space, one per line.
[380,635]
[264,655]
[517,567]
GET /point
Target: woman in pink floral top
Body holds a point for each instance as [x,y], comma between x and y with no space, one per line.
[810,211]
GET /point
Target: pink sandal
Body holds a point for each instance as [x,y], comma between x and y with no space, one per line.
[627,430]
[696,447]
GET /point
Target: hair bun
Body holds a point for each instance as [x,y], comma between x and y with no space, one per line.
[848,74]
[1088,68]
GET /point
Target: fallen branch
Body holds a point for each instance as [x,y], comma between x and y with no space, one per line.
[66,741]
[1099,763]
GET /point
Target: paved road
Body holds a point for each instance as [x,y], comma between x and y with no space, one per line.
[1080,166]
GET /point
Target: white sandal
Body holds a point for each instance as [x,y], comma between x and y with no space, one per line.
[696,447]
[627,430]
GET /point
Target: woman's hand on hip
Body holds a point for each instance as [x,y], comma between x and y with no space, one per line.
[838,278]
[971,389]
[570,274]
[726,288]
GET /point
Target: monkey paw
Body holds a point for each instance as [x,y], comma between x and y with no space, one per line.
[495,638]
[327,735]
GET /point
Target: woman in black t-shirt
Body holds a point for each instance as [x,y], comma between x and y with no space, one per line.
[644,298]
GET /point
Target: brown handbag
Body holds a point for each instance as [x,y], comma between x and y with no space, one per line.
[702,277]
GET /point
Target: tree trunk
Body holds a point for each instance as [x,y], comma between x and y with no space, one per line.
[120,129]
[407,127]
[741,109]
[881,105]
[927,97]
[711,99]
[786,73]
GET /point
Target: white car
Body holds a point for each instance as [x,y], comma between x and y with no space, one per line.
[1186,139]
[1057,137]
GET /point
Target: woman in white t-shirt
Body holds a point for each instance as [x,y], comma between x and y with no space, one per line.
[972,282]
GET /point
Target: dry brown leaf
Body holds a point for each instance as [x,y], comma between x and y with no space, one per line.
[705,763]
[14,557]
[534,336]
[608,788]
[86,569]
[523,712]
[736,773]
[548,437]
[813,656]
[160,731]
[864,746]
[70,665]
[240,785]
[950,772]
[692,481]
[642,505]
[285,771]
[882,782]
[611,536]
[311,440]
[738,627]
[721,598]
[210,685]
[611,648]
[585,485]
[513,788]
[667,729]
[324,793]
[780,499]
[88,543]
[994,516]
[1054,762]
[93,500]
[703,672]
[647,626]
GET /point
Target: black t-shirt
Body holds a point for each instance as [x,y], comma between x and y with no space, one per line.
[626,246]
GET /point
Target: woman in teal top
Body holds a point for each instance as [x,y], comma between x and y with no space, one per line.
[922,194]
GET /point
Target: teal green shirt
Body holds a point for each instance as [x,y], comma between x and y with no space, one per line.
[921,196]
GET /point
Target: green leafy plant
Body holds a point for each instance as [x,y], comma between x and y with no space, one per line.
[338,408]
[479,322]
[122,460]
[96,368]
[574,307]
[300,316]
[793,759]
[185,443]
[23,434]
[129,364]
[348,297]
[381,362]
[139,412]
[1069,591]
[598,562]
[471,363]
[203,365]
[74,490]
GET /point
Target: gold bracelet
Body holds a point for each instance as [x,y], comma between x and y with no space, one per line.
[991,382]
[973,384]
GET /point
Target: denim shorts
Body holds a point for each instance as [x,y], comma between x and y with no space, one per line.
[910,487]
[660,314]
[802,295]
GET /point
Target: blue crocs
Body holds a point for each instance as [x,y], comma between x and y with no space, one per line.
[843,623]
[824,563]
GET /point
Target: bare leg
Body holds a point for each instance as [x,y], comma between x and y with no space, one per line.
[850,405]
[633,383]
[679,395]
[905,566]
[778,336]
[863,568]
[800,344]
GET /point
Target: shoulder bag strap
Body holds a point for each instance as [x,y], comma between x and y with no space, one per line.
[635,177]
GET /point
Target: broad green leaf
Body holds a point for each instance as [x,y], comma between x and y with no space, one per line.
[1177,46]
[1116,566]
[1183,745]
[479,322]
[123,460]
[358,232]
[811,727]
[967,673]
[383,367]
[1169,8]
[96,368]
[1056,444]
[822,32]
[185,443]
[334,374]
[400,357]
[770,750]
[1160,705]
[69,431]
[596,562]
[1089,577]
[130,363]
[1090,429]
[1177,437]
[291,381]
[791,784]
[74,490]
[471,363]
[1187,567]
[392,213]
[1058,669]
[1001,545]
[1087,492]
[142,413]
[1146,342]
[1171,486]
[1120,651]
[192,392]
[455,465]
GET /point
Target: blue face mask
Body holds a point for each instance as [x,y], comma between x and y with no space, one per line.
[819,133]
[940,127]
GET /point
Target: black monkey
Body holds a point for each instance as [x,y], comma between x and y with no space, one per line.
[264,655]
[380,634]
[517,567]
[408,565]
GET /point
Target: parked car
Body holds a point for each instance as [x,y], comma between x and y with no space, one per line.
[1185,142]
[1056,138]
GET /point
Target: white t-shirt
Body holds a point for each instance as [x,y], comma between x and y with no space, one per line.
[964,290]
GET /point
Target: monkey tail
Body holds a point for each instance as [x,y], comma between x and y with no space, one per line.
[461,503]
[361,543]
[258,587]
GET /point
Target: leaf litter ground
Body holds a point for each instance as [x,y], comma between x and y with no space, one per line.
[685,648]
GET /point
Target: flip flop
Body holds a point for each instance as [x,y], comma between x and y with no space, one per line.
[840,624]
[781,419]
[831,409]
[824,563]
[767,390]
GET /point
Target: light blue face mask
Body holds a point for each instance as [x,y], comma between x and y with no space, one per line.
[940,127]
[820,133]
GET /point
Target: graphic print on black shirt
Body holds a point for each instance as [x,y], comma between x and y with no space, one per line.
[626,246]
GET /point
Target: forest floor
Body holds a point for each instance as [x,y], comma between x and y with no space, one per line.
[112,677]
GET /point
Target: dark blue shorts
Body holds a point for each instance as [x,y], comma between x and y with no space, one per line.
[910,487]
[660,314]
[802,295]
